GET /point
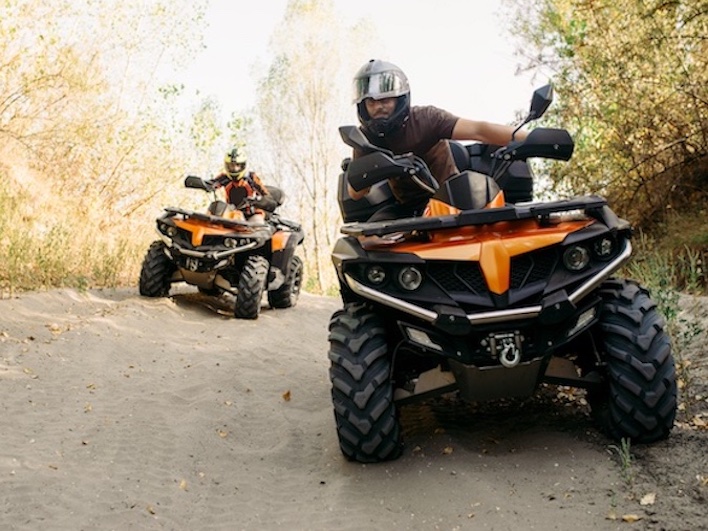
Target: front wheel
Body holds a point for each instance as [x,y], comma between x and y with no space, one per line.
[286,295]
[251,284]
[639,399]
[362,390]
[156,271]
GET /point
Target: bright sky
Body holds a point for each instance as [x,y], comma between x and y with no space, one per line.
[454,52]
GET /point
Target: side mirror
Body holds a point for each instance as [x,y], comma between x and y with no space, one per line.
[540,101]
[192,181]
[352,136]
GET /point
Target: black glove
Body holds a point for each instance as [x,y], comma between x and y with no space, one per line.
[266,202]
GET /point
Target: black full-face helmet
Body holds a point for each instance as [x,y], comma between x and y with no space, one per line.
[378,80]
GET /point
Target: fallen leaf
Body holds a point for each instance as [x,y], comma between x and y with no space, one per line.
[183,484]
[150,509]
[223,434]
[54,328]
[88,407]
[631,518]
[698,422]
[612,515]
[286,396]
[648,499]
[447,450]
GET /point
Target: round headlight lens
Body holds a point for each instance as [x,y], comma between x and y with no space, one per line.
[410,278]
[576,258]
[376,274]
[231,243]
[603,248]
[169,230]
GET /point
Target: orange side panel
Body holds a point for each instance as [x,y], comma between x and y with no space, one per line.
[498,201]
[280,240]
[438,208]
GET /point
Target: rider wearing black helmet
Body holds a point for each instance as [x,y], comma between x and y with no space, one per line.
[382,98]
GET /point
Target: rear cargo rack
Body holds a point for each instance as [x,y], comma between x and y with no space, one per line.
[474,217]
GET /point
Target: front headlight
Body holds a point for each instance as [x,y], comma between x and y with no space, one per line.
[603,248]
[410,278]
[376,274]
[231,243]
[576,258]
[168,230]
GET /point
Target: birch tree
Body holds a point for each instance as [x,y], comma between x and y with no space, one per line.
[303,98]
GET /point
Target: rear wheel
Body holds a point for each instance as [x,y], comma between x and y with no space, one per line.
[251,284]
[156,272]
[286,295]
[362,390]
[639,399]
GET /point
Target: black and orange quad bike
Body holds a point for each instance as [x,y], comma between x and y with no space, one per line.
[489,298]
[220,251]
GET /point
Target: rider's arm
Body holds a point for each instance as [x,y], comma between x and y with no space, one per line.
[220,180]
[357,195]
[486,132]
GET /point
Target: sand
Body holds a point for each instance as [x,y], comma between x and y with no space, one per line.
[121,412]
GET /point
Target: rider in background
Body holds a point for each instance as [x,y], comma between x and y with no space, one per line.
[382,97]
[244,189]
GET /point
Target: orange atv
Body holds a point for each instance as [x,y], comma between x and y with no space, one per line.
[488,298]
[220,251]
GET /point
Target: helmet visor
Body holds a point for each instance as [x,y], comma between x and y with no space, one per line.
[380,85]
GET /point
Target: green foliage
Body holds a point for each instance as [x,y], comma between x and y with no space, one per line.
[663,273]
[631,80]
[626,461]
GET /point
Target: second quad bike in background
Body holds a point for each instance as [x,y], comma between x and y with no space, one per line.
[220,251]
[489,299]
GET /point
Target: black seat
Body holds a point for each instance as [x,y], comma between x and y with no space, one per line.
[277,193]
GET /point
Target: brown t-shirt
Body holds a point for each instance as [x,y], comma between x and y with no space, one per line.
[424,134]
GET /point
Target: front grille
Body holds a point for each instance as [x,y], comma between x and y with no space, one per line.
[532,267]
[184,238]
[458,277]
[213,240]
